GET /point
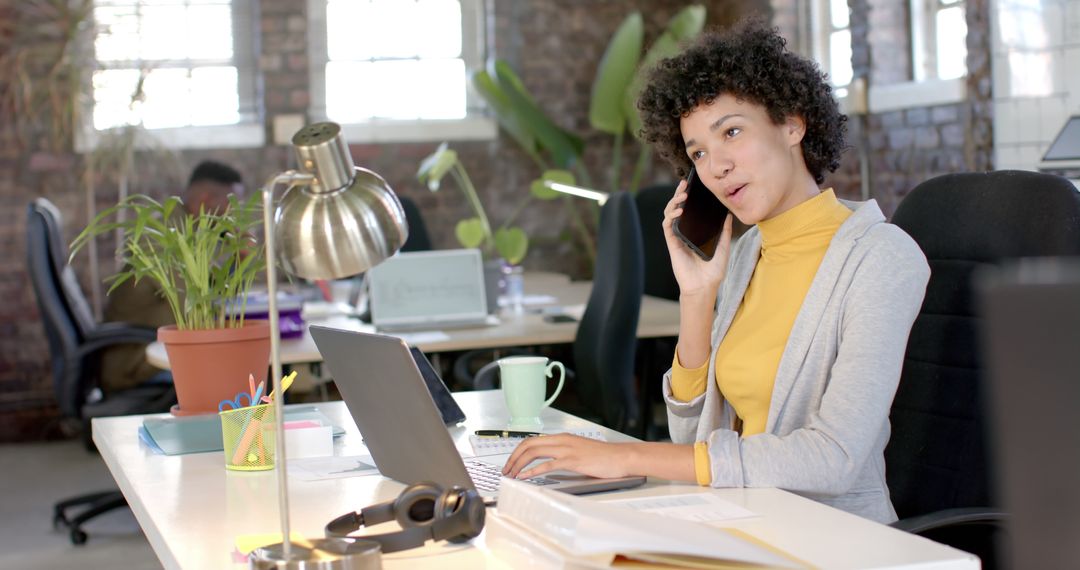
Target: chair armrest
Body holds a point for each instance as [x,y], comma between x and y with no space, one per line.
[952,517]
[108,334]
[468,360]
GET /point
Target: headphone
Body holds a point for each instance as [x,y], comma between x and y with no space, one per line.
[425,512]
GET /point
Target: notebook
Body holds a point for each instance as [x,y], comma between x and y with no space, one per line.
[487,445]
[401,426]
[429,290]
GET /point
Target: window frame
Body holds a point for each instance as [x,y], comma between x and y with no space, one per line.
[476,125]
[249,132]
[821,30]
[924,49]
[921,90]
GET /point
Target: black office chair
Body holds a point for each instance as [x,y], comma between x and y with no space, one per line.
[418,235]
[75,340]
[654,354]
[659,277]
[606,339]
[938,473]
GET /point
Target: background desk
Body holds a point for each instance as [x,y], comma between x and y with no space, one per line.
[191,508]
[659,318]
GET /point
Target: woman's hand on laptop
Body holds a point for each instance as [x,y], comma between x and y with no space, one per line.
[600,458]
[569,452]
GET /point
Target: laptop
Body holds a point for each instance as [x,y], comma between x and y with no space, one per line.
[429,290]
[402,428]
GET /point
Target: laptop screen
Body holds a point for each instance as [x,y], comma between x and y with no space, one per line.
[428,286]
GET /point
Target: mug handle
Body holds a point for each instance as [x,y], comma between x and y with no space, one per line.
[562,378]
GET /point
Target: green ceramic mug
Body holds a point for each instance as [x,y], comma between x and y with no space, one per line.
[524,384]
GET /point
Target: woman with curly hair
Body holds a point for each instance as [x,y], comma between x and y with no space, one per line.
[792,339]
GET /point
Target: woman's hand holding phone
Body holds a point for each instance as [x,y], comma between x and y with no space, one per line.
[694,274]
[699,281]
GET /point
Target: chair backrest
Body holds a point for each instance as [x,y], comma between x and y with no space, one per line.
[418,235]
[607,335]
[936,458]
[659,277]
[64,310]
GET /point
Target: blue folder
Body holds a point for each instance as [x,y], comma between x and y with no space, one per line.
[202,433]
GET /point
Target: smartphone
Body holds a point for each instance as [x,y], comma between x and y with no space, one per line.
[560,318]
[449,410]
[702,219]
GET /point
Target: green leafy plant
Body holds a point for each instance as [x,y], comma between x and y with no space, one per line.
[558,153]
[509,242]
[204,264]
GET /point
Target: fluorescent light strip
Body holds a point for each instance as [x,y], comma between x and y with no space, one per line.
[589,193]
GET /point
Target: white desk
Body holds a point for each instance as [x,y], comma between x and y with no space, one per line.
[191,508]
[659,318]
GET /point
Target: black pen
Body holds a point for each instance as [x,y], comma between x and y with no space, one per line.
[505,433]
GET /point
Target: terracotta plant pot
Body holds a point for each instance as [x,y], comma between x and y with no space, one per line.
[212,365]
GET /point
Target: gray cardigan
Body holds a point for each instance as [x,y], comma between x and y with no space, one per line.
[829,415]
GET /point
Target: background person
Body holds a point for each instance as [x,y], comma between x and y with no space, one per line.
[125,366]
[789,381]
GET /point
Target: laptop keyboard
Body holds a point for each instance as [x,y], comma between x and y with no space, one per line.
[486,477]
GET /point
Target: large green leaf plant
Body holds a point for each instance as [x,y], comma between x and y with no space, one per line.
[509,242]
[204,264]
[619,79]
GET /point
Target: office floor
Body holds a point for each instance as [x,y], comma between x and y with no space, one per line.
[37,475]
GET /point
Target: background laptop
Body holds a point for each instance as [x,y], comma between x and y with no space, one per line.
[429,290]
[386,395]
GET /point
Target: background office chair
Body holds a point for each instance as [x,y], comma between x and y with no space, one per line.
[938,474]
[654,354]
[606,338]
[418,234]
[659,277]
[75,340]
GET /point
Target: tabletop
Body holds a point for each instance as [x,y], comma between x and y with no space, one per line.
[191,508]
[659,318]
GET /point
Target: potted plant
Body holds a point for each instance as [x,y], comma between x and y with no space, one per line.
[503,248]
[203,265]
[560,154]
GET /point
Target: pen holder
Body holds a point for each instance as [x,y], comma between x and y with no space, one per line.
[247,436]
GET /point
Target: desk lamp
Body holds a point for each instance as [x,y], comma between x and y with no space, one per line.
[335,220]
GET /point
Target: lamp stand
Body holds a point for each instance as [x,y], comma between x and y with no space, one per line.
[333,553]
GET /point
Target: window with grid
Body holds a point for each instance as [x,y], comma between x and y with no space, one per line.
[397,69]
[832,25]
[173,64]
[939,39]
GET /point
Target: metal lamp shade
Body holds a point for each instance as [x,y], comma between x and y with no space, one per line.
[345,222]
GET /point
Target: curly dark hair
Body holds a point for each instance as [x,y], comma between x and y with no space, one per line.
[750,62]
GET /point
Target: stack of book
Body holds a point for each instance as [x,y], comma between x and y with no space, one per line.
[536,527]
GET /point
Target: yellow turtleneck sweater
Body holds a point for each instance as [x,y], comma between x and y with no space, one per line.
[792,247]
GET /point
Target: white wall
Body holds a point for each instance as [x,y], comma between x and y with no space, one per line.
[1036,70]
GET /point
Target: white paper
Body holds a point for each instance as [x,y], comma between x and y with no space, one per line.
[529,300]
[416,338]
[309,442]
[576,311]
[320,468]
[697,507]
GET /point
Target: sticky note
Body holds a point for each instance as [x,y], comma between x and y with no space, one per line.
[309,442]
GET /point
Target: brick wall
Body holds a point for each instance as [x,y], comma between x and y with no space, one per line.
[554,45]
[905,147]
